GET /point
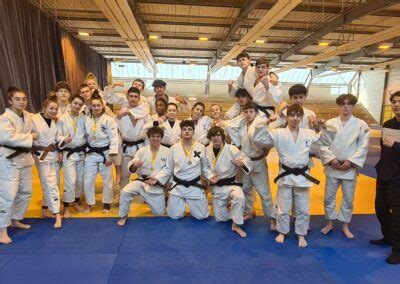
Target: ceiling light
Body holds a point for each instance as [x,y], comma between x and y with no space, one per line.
[83,34]
[385,45]
[160,62]
[203,38]
[260,41]
[153,37]
[192,62]
[334,68]
[323,43]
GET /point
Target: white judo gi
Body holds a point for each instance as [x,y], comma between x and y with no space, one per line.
[101,133]
[245,80]
[223,166]
[350,143]
[186,168]
[15,172]
[46,159]
[201,129]
[132,138]
[294,155]
[73,163]
[240,134]
[171,136]
[153,195]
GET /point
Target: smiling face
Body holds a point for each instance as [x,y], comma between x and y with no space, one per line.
[159,90]
[217,140]
[197,112]
[97,107]
[171,112]
[51,110]
[92,83]
[155,139]
[215,112]
[262,70]
[63,95]
[85,93]
[161,108]
[76,105]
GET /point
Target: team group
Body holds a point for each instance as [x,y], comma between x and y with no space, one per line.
[176,162]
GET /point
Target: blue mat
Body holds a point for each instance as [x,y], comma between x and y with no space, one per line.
[161,250]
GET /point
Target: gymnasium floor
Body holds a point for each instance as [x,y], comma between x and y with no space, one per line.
[92,249]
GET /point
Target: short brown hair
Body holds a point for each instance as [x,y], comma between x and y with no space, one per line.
[395,94]
[250,105]
[295,108]
[155,130]
[262,60]
[187,123]
[214,131]
[241,55]
[62,85]
[12,90]
[351,98]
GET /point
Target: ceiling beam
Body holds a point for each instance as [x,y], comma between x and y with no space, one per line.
[247,7]
[346,48]
[276,13]
[326,28]
[119,13]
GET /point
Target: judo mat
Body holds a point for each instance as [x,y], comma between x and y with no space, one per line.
[161,250]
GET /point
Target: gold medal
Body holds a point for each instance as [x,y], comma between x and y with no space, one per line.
[188,153]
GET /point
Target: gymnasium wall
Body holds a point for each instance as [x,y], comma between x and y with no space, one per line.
[393,83]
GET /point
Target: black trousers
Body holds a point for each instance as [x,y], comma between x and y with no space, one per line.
[387,208]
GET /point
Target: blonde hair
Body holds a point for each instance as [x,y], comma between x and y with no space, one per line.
[90,76]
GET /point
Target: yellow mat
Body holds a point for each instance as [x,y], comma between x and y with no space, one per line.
[363,201]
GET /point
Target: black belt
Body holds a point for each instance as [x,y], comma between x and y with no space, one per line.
[265,109]
[228,181]
[98,150]
[126,143]
[143,178]
[71,151]
[258,158]
[296,172]
[166,145]
[18,151]
[187,183]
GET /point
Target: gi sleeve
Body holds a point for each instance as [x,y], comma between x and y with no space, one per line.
[112,133]
[166,173]
[236,154]
[359,157]
[9,137]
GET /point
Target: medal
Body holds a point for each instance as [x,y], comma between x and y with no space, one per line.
[188,153]
[190,162]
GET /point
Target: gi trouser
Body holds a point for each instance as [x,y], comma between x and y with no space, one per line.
[155,200]
[346,207]
[221,197]
[94,165]
[15,192]
[74,170]
[193,196]
[48,174]
[301,200]
[260,181]
[387,208]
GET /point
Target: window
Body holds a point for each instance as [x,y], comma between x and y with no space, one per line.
[339,89]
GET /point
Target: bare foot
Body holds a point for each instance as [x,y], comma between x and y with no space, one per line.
[19,225]
[236,228]
[121,222]
[4,237]
[346,231]
[302,242]
[249,216]
[58,222]
[87,209]
[272,225]
[46,214]
[325,230]
[67,213]
[280,238]
[78,208]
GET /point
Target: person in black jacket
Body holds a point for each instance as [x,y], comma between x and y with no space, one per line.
[387,201]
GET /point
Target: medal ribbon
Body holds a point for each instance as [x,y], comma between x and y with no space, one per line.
[188,153]
[153,160]
[214,161]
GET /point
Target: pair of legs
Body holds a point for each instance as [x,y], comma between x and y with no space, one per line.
[193,196]
[94,165]
[117,184]
[285,197]
[346,207]
[260,181]
[222,196]
[48,174]
[387,207]
[15,197]
[73,182]
[153,195]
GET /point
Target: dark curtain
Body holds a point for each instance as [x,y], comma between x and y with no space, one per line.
[35,53]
